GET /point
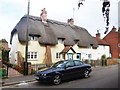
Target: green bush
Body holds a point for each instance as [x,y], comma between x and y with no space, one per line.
[104,60]
[86,61]
[33,71]
[3,72]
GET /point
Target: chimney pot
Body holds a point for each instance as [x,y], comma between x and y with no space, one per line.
[70,21]
[98,34]
[43,15]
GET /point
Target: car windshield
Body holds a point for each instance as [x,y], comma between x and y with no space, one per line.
[58,64]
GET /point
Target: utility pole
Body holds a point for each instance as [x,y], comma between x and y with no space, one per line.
[26,49]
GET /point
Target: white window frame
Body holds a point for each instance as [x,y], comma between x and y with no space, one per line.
[57,55]
[78,54]
[33,38]
[32,55]
[61,40]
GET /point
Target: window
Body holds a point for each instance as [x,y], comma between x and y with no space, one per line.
[78,63]
[57,55]
[70,64]
[78,56]
[70,56]
[89,56]
[61,40]
[35,55]
[32,55]
[76,41]
[34,37]
[28,55]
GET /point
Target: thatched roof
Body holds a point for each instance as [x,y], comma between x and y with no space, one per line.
[51,31]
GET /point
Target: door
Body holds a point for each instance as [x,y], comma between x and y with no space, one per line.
[69,70]
[79,68]
[70,56]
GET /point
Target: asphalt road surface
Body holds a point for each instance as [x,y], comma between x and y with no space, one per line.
[107,77]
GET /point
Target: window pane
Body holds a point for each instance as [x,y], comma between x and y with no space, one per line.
[70,64]
[78,56]
[78,63]
[70,56]
[57,55]
[28,55]
[31,55]
[35,55]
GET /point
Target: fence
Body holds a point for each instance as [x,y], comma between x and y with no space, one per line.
[102,62]
[107,62]
[112,61]
[94,62]
[38,66]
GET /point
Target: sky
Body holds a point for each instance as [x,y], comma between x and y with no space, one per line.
[89,15]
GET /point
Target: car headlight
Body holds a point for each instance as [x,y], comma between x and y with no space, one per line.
[44,75]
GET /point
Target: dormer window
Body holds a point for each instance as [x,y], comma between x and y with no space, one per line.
[76,41]
[91,46]
[61,40]
[34,37]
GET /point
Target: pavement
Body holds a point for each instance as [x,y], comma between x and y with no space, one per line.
[30,78]
[18,79]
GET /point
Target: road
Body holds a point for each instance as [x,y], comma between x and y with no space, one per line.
[107,77]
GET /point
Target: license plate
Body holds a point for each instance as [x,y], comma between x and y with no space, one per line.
[36,77]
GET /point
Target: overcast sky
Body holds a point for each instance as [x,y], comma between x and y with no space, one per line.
[89,15]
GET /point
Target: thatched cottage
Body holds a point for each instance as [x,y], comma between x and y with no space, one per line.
[50,40]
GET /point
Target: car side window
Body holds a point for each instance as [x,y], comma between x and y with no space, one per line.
[70,64]
[77,63]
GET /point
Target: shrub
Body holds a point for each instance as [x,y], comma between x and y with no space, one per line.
[3,72]
[19,69]
[104,60]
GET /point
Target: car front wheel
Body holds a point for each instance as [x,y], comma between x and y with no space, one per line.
[57,79]
[86,74]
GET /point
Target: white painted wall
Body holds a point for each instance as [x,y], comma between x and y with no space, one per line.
[57,49]
[14,48]
[101,50]
[95,53]
[35,46]
[84,51]
[32,46]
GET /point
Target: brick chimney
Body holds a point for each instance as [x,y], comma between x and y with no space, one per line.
[71,22]
[98,34]
[43,15]
[114,29]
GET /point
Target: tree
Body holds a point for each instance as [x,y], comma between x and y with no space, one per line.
[105,11]
[4,52]
[103,58]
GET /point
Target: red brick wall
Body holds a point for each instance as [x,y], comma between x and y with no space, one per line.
[112,38]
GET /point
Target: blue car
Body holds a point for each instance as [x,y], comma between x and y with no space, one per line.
[63,70]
